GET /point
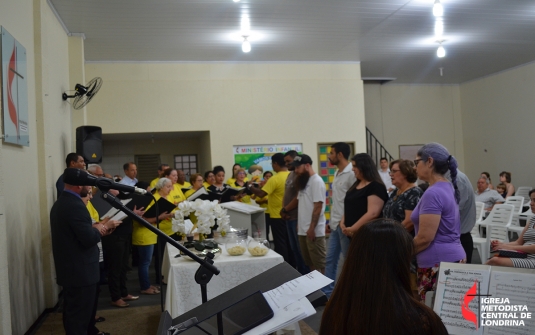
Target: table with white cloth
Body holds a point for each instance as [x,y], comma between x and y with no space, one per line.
[184,294]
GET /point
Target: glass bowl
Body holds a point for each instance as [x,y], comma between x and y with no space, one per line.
[258,247]
[236,245]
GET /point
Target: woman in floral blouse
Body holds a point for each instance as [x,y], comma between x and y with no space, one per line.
[405,196]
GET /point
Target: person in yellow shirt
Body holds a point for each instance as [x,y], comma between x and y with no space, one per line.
[196,181]
[275,188]
[263,202]
[161,170]
[176,194]
[239,183]
[235,169]
[209,179]
[144,240]
[182,179]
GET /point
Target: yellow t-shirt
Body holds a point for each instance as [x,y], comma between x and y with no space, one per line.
[140,234]
[176,194]
[264,204]
[185,185]
[275,189]
[231,181]
[192,216]
[153,182]
[245,199]
[92,212]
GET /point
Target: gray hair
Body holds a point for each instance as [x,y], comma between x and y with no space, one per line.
[442,162]
[485,179]
[161,183]
[93,167]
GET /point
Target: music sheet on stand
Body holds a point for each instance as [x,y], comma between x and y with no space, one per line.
[454,281]
[519,288]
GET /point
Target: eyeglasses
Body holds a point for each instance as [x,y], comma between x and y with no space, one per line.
[243,173]
[394,171]
[416,161]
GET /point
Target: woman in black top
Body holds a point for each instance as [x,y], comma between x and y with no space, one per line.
[365,198]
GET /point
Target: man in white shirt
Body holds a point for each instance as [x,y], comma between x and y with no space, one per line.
[310,213]
[384,172]
[343,179]
[130,174]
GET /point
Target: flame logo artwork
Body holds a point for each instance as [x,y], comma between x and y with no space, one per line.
[468,297]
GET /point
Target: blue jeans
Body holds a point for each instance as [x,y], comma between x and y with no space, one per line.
[291,225]
[338,243]
[145,257]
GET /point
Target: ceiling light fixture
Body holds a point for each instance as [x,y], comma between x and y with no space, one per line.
[441,52]
[246,45]
[438,10]
[236,0]
[245,25]
[439,28]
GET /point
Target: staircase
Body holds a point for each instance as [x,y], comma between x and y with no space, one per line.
[375,149]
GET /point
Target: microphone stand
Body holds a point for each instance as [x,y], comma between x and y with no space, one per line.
[206,269]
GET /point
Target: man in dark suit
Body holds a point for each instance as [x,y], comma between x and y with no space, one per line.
[73,160]
[76,256]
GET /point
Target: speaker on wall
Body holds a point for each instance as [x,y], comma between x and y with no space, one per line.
[89,143]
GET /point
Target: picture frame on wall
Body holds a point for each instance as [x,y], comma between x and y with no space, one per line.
[409,151]
[14,90]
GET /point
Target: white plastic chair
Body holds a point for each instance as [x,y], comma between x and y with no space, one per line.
[480,210]
[517,202]
[500,215]
[515,226]
[523,191]
[480,243]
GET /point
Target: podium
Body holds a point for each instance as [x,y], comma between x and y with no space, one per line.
[264,282]
[246,217]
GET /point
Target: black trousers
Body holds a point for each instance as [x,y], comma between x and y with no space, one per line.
[468,245]
[281,240]
[116,253]
[78,308]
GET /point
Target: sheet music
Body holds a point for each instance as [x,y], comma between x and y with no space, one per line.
[454,281]
[285,316]
[114,212]
[295,289]
[519,288]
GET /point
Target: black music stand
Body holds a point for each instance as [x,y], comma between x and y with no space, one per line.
[264,282]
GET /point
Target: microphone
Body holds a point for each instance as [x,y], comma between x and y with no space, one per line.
[78,177]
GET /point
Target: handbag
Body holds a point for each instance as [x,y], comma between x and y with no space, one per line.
[512,253]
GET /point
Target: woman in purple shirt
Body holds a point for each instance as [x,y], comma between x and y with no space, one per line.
[436,218]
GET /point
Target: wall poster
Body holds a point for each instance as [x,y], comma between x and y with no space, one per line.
[256,159]
[14,91]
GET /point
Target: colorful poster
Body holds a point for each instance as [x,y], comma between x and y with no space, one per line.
[14,91]
[256,159]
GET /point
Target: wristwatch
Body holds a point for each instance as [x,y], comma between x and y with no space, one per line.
[284,210]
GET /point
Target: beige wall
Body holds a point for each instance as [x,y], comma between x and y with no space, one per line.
[415,114]
[498,119]
[238,103]
[24,221]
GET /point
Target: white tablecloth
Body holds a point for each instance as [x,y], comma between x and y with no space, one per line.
[184,294]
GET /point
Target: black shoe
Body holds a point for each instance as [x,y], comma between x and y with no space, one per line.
[100,319]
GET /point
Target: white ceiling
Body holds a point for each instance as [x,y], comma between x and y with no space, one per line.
[391,38]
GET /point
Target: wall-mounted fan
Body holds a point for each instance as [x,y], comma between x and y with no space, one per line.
[84,94]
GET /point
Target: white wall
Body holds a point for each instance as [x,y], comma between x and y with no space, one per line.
[415,114]
[29,172]
[238,103]
[498,118]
